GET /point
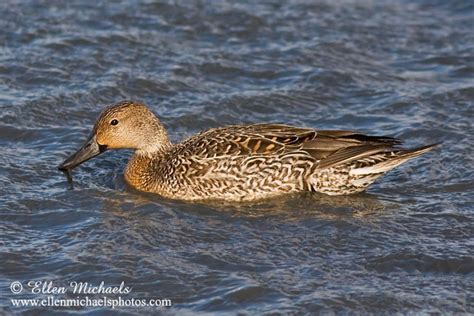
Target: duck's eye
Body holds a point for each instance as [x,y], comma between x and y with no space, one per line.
[114,122]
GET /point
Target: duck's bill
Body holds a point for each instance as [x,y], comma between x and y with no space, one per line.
[89,150]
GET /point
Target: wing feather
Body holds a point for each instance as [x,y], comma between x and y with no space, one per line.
[329,148]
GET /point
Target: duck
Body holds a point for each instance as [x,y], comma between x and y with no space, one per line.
[240,162]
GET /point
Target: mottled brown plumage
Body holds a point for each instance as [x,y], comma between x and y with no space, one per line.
[244,162]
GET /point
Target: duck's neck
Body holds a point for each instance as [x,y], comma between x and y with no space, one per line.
[154,148]
[144,168]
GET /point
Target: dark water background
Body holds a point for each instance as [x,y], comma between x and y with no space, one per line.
[402,68]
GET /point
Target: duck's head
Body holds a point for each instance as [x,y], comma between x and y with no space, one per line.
[125,125]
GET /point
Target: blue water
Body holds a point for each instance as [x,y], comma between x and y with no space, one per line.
[400,68]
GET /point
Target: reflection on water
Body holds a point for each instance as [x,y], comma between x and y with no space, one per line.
[399,68]
[300,205]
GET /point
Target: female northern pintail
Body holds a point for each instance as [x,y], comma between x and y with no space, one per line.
[241,162]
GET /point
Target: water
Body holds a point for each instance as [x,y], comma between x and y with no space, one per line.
[401,68]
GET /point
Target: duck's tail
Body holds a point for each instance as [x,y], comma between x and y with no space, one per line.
[365,171]
[382,163]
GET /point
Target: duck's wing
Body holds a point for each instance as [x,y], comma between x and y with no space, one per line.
[258,139]
[330,148]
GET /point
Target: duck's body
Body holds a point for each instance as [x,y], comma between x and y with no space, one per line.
[244,163]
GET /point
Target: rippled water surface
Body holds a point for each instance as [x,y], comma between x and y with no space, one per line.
[401,68]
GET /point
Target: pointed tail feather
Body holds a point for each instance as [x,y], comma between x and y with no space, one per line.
[412,153]
[398,158]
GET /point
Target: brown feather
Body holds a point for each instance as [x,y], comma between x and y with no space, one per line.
[331,147]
